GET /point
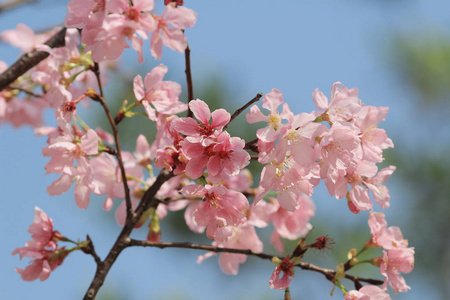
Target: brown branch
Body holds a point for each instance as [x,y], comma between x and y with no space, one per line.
[240,110]
[30,59]
[329,274]
[186,245]
[28,92]
[89,249]
[103,267]
[118,153]
[148,200]
[252,145]
[13,4]
[190,88]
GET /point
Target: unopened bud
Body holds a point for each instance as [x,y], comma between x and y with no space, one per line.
[91,93]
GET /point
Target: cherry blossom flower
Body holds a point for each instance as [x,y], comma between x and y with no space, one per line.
[169,29]
[201,111]
[293,225]
[42,249]
[368,292]
[221,208]
[373,140]
[82,12]
[342,106]
[156,95]
[285,269]
[275,126]
[392,263]
[243,237]
[384,236]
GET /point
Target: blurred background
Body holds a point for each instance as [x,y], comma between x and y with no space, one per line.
[397,52]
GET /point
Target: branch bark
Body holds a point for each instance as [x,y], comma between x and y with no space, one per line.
[13,4]
[103,267]
[328,273]
[31,59]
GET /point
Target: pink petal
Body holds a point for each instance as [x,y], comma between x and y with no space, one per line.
[201,110]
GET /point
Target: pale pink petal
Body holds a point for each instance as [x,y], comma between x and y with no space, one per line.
[155,76]
[138,87]
[156,46]
[220,118]
[89,142]
[320,100]
[272,100]
[201,110]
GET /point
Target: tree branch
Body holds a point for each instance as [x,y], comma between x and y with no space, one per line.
[118,153]
[31,59]
[329,274]
[13,4]
[103,267]
[240,110]
[190,88]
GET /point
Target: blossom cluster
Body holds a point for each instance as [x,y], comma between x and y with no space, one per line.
[43,248]
[339,143]
[108,25]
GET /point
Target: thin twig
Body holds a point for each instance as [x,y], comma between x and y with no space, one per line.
[190,88]
[329,274]
[89,249]
[30,59]
[28,92]
[186,245]
[116,141]
[13,4]
[148,200]
[240,110]
[252,145]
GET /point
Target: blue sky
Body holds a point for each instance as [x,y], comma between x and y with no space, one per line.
[294,46]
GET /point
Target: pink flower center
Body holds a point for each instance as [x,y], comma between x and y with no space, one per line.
[133,14]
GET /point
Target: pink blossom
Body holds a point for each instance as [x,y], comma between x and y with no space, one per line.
[156,95]
[42,249]
[80,12]
[343,104]
[379,191]
[143,154]
[392,263]
[221,154]
[276,127]
[287,178]
[384,236]
[293,225]
[189,126]
[373,140]
[285,269]
[177,2]
[340,150]
[23,37]
[243,237]
[42,267]
[221,208]
[107,178]
[169,29]
[368,292]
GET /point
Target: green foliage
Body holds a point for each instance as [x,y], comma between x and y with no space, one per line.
[424,61]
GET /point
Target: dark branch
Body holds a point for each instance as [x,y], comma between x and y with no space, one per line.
[252,145]
[28,92]
[13,4]
[30,59]
[190,88]
[147,201]
[240,110]
[118,154]
[89,249]
[329,274]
